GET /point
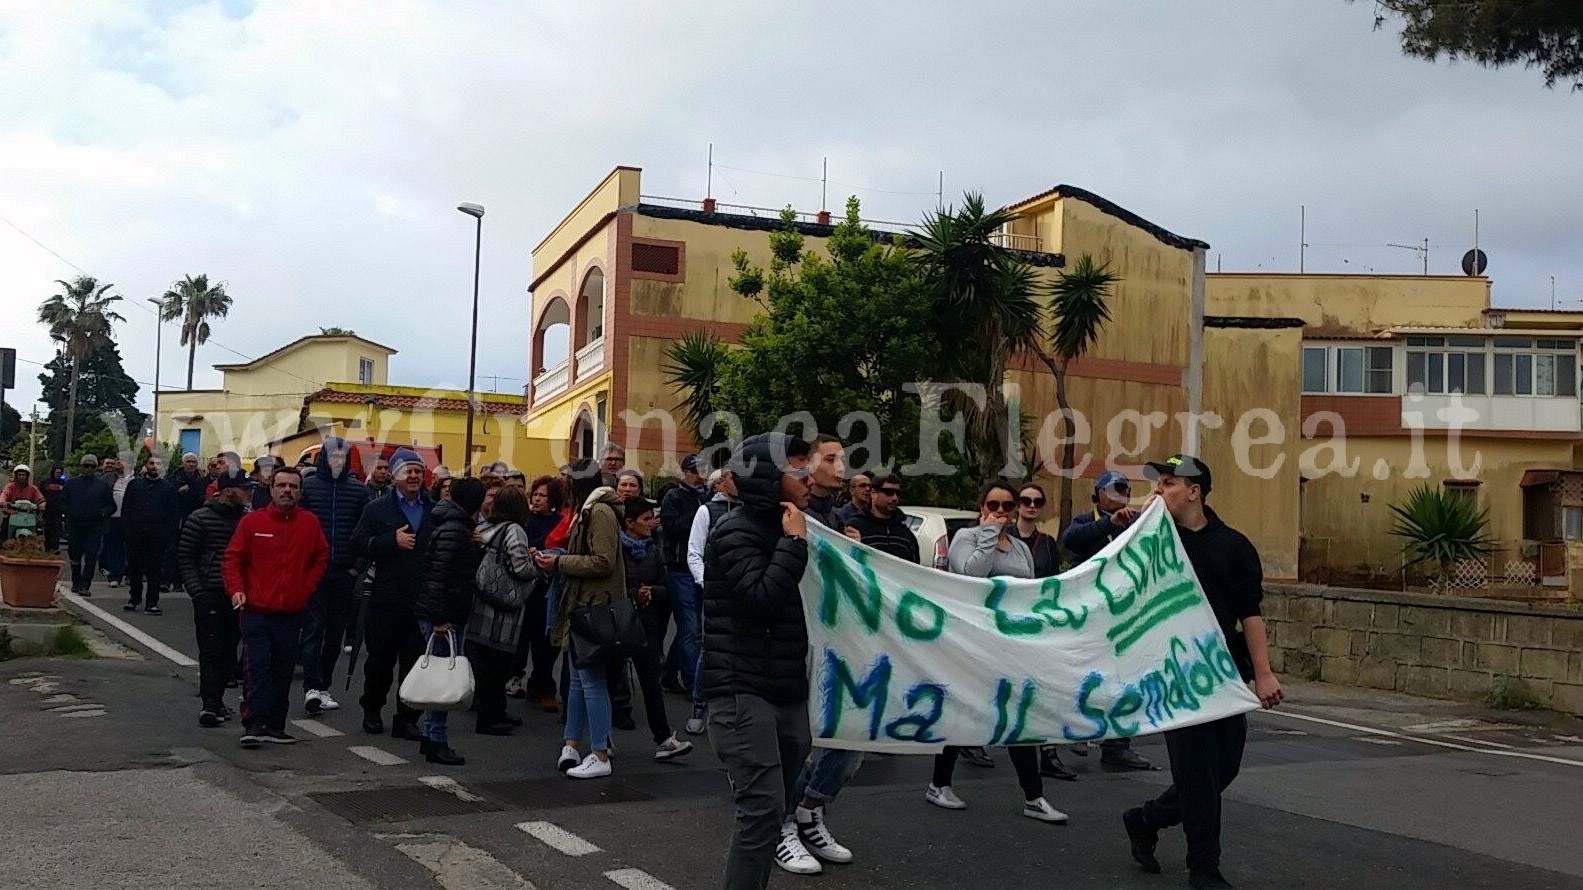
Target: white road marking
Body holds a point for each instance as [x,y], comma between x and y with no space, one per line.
[1460,723]
[63,699]
[66,709]
[637,879]
[78,604]
[558,838]
[1570,738]
[457,866]
[1385,733]
[449,786]
[97,712]
[1459,738]
[314,727]
[1374,741]
[1283,731]
[32,679]
[377,755]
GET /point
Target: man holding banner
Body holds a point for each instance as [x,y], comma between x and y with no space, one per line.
[1205,758]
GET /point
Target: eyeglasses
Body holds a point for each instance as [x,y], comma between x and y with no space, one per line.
[1031,502]
[888,492]
[999,506]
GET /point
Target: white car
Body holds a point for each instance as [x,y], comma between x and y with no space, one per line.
[934,527]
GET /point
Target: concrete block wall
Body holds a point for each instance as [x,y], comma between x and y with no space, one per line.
[1424,644]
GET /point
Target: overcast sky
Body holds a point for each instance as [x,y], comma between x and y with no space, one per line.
[310,154]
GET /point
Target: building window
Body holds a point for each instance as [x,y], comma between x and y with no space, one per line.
[659,259]
[1446,365]
[365,370]
[1572,523]
[1314,368]
[1552,372]
[1364,369]
[1466,490]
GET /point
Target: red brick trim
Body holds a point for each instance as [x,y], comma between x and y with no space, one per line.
[558,261]
[1108,369]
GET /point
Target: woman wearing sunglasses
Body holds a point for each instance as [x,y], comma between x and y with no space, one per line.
[990,549]
[1046,563]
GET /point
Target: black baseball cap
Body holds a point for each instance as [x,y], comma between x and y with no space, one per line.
[1184,466]
[690,462]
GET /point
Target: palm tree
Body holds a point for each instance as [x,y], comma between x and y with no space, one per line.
[986,311]
[694,365]
[336,332]
[1441,528]
[80,317]
[194,302]
[1078,309]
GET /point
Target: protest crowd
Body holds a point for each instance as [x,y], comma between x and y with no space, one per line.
[562,591]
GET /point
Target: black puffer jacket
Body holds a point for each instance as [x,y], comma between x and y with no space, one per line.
[398,574]
[450,579]
[755,639]
[338,502]
[204,536]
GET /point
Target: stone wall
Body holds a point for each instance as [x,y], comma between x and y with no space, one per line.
[1423,644]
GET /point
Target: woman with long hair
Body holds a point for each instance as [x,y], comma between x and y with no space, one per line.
[545,497]
[988,550]
[493,630]
[1046,563]
[645,569]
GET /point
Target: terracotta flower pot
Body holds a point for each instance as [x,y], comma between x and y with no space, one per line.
[28,583]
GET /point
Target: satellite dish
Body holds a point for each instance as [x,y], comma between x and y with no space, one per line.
[1474,262]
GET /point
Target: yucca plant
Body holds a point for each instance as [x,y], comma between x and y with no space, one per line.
[1441,529]
[693,368]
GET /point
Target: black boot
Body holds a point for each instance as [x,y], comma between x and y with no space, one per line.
[443,755]
[404,729]
[1050,765]
[373,724]
[1207,879]
[1143,838]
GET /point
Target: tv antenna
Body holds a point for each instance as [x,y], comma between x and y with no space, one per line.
[1421,249]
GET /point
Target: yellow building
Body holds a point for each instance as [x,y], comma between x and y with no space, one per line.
[1406,381]
[288,400]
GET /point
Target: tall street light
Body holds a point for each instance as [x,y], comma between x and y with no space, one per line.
[476,211]
[159,336]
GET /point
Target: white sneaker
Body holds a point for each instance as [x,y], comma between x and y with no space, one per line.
[326,703]
[816,837]
[592,768]
[311,702]
[944,797]
[1040,809]
[514,688]
[568,759]
[792,856]
[672,747]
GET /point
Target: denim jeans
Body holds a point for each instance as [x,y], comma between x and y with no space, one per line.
[588,707]
[685,600]
[433,724]
[825,774]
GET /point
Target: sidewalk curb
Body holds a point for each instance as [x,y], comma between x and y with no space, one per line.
[115,627]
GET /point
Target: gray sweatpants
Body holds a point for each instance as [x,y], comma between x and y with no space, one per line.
[763,746]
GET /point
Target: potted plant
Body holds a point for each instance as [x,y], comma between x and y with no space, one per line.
[28,573]
[1440,530]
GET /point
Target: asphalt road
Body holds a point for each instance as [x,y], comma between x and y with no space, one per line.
[1344,789]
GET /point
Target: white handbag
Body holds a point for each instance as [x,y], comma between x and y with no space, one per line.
[439,683]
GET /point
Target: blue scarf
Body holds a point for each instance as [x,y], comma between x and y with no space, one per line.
[636,547]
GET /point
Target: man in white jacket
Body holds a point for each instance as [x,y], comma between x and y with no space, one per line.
[724,486]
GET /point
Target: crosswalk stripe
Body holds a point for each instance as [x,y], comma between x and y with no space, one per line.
[557,837]
[97,712]
[456,865]
[449,786]
[316,728]
[637,879]
[77,603]
[377,755]
[66,709]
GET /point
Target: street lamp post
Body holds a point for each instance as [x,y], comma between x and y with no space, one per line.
[476,211]
[159,336]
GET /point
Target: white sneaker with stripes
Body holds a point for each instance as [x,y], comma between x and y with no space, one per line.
[792,856]
[816,837]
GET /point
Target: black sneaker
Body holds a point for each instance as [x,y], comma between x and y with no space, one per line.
[277,737]
[976,756]
[210,720]
[443,755]
[402,729]
[1050,765]
[1207,879]
[153,610]
[226,714]
[373,724]
[129,607]
[1126,760]
[1144,839]
[252,739]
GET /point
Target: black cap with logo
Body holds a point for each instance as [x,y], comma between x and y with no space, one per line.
[1184,466]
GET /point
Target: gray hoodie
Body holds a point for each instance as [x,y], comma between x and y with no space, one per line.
[973,552]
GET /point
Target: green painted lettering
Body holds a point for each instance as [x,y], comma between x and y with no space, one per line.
[1005,622]
[909,624]
[864,594]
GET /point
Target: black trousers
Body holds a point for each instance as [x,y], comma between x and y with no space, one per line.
[145,560]
[392,640]
[1024,759]
[648,665]
[491,669]
[218,637]
[534,648]
[330,613]
[1204,761]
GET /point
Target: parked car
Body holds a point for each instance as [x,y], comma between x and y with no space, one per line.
[934,527]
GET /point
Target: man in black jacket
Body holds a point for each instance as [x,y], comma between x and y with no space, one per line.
[677,509]
[883,525]
[190,481]
[394,533]
[754,671]
[337,497]
[446,600]
[88,501]
[149,513]
[204,536]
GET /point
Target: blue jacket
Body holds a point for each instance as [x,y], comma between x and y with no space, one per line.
[88,498]
[338,502]
[1088,534]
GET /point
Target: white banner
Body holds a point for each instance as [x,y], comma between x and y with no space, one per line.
[904,657]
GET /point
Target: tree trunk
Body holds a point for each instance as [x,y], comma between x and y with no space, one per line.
[1066,431]
[71,413]
[192,355]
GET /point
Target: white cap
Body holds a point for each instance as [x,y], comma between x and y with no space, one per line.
[714,476]
[23,468]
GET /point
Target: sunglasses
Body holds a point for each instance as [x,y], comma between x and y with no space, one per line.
[891,492]
[1031,502]
[999,506]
